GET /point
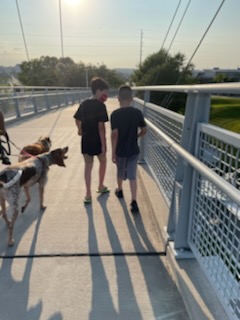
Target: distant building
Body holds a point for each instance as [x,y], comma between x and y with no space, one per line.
[208,75]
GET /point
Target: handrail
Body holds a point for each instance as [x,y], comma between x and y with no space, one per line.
[35,96]
[232,87]
[224,186]
[41,87]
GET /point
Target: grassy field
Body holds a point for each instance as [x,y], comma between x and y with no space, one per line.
[225,113]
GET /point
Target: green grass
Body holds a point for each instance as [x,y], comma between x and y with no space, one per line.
[225,113]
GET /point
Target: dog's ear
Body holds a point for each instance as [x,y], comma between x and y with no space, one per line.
[59,156]
[64,151]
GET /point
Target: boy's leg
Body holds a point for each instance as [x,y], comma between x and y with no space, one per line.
[87,173]
[134,205]
[121,168]
[132,176]
[119,183]
[102,170]
[133,188]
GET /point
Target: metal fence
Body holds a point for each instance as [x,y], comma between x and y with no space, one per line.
[18,102]
[197,168]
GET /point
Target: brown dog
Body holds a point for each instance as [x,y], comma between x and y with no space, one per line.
[25,174]
[42,145]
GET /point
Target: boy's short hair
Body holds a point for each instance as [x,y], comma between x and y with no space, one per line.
[125,92]
[98,83]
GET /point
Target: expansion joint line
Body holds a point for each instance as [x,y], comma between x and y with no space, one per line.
[97,254]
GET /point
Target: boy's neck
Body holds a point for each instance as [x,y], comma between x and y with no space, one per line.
[125,104]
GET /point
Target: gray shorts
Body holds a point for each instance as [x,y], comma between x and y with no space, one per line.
[127,167]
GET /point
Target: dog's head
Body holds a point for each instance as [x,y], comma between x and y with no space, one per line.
[58,156]
[46,142]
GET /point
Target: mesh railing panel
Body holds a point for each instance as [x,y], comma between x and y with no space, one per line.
[165,122]
[162,160]
[160,157]
[214,235]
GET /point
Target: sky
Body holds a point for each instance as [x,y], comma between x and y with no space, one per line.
[120,33]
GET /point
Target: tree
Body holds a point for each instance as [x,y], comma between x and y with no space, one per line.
[163,69]
[51,71]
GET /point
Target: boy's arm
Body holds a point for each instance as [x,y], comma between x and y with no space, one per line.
[102,134]
[142,131]
[114,139]
[79,126]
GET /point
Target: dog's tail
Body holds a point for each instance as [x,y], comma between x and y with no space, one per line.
[10,183]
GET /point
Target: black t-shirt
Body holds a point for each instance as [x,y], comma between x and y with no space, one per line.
[90,113]
[127,120]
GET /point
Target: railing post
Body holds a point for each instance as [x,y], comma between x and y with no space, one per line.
[34,104]
[17,109]
[197,110]
[46,98]
[58,98]
[66,96]
[142,140]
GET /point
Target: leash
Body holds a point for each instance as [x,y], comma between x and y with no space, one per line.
[22,151]
[8,150]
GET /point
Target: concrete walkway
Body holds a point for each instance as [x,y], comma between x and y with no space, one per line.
[77,262]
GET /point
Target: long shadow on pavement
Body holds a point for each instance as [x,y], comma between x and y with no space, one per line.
[161,288]
[14,294]
[102,301]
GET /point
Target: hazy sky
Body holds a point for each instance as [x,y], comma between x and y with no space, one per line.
[109,31]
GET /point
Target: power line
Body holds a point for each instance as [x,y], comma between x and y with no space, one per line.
[185,11]
[156,77]
[169,98]
[171,24]
[20,21]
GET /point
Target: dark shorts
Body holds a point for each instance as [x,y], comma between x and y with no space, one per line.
[89,159]
[127,167]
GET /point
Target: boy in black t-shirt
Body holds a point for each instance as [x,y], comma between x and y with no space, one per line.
[90,120]
[127,125]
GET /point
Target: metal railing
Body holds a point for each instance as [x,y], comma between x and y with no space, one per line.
[197,168]
[18,102]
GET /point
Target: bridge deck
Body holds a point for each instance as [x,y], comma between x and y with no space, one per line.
[82,262]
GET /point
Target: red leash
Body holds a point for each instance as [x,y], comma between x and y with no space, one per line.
[21,151]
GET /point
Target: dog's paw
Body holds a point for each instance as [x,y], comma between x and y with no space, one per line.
[11,242]
[23,208]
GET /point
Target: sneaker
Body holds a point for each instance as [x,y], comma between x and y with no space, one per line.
[5,160]
[134,207]
[119,194]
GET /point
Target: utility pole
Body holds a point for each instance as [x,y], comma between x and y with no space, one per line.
[141,45]
[61,33]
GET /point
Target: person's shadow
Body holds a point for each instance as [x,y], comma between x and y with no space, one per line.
[14,294]
[127,302]
[102,302]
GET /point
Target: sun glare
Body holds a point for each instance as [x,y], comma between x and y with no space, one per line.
[73,2]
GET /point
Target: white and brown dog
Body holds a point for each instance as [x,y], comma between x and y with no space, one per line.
[25,174]
[42,145]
